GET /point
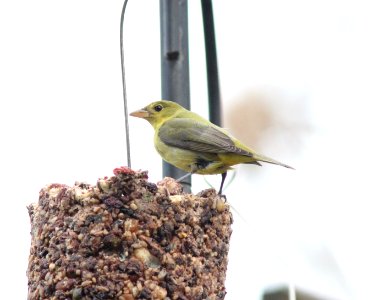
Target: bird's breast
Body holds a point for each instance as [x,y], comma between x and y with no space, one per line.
[180,158]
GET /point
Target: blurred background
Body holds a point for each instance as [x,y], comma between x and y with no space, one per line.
[301,81]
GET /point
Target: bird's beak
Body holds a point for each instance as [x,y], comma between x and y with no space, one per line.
[141,113]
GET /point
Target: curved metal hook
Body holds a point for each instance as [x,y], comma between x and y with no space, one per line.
[124,84]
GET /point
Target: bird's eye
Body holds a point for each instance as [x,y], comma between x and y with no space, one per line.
[158,108]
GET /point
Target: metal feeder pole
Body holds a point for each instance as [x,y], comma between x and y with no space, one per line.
[215,110]
[175,65]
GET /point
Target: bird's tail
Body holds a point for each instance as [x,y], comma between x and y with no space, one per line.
[261,158]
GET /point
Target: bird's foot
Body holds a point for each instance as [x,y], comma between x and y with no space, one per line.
[222,196]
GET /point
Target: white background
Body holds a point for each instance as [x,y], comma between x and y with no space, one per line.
[319,67]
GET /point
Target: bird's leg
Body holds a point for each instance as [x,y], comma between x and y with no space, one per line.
[184,177]
[224,174]
[194,168]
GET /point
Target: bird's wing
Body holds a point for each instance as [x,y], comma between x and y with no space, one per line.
[186,133]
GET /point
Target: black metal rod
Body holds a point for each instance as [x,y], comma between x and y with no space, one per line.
[215,110]
[175,64]
[124,84]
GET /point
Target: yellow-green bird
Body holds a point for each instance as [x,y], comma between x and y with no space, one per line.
[194,144]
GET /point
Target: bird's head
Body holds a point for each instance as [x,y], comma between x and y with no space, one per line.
[158,112]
